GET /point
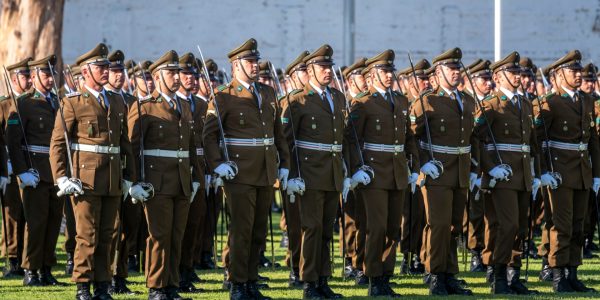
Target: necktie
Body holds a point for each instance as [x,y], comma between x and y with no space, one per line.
[515,101]
[49,100]
[253,91]
[324,97]
[103,101]
[176,105]
[457,100]
[575,97]
[192,104]
[390,100]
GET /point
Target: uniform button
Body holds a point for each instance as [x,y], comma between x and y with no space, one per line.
[524,156]
[266,148]
[581,154]
[395,154]
[394,117]
[111,145]
[461,117]
[108,119]
[371,159]
[263,123]
[34,153]
[260,111]
[462,129]
[396,128]
[334,117]
[334,130]
[181,136]
[523,131]
[396,141]
[83,166]
[335,142]
[180,160]
[112,157]
[266,135]
[333,154]
[180,149]
[151,166]
[110,131]
[462,141]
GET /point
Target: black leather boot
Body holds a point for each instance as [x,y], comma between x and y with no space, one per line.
[207,262]
[13,268]
[254,292]
[500,284]
[132,264]
[388,287]
[69,264]
[349,271]
[31,278]
[185,283]
[361,278]
[294,280]
[101,290]
[576,284]
[119,287]
[546,272]
[46,277]
[489,274]
[476,263]
[437,284]
[83,291]
[310,291]
[560,284]
[325,290]
[376,287]
[453,286]
[515,284]
[172,294]
[226,282]
[238,291]
[157,294]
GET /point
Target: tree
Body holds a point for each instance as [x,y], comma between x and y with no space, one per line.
[31,28]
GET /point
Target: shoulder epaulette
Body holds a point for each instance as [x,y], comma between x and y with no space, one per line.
[296,91]
[281,97]
[147,98]
[426,92]
[549,95]
[222,87]
[362,94]
[3,97]
[489,97]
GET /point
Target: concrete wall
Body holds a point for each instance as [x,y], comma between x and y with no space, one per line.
[541,29]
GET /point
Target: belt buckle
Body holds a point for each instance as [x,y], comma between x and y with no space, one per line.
[462,150]
[333,148]
[524,148]
[179,154]
[97,148]
[397,148]
[266,142]
[582,147]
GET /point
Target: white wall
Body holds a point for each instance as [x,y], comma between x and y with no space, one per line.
[543,30]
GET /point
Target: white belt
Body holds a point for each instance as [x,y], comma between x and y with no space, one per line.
[566,146]
[37,149]
[199,151]
[167,153]
[95,148]
[250,142]
[445,149]
[384,148]
[509,147]
[319,146]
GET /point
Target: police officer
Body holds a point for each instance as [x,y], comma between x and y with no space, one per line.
[248,114]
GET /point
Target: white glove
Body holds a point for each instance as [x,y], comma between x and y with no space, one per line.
[67,187]
[412,181]
[283,177]
[28,179]
[360,177]
[138,193]
[472,181]
[346,189]
[596,185]
[295,185]
[535,187]
[3,183]
[548,180]
[195,187]
[9,168]
[208,182]
[126,184]
[430,170]
[224,170]
[499,173]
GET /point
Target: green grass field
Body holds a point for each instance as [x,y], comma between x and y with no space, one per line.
[409,286]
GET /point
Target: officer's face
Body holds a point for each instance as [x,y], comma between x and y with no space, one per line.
[116,78]
[187,80]
[423,83]
[142,83]
[250,68]
[97,73]
[483,84]
[322,74]
[170,79]
[265,80]
[571,76]
[588,86]
[195,85]
[448,75]
[384,77]
[21,82]
[203,86]
[302,76]
[42,80]
[508,79]
[359,83]
[527,82]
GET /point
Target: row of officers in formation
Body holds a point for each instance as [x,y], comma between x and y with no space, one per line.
[138,155]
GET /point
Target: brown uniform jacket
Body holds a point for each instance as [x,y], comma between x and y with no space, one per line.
[165,129]
[376,123]
[570,122]
[510,125]
[37,118]
[313,121]
[449,126]
[87,122]
[242,118]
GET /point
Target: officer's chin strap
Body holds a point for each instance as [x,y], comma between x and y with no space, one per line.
[19,82]
[92,75]
[205,84]
[453,86]
[46,90]
[356,85]
[381,81]
[316,78]
[162,79]
[516,87]
[253,79]
[299,80]
[573,88]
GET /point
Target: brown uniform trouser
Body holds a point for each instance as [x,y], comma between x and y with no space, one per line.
[95,218]
[412,222]
[508,211]
[544,247]
[384,210]
[70,229]
[569,207]
[195,224]
[360,222]
[294,231]
[166,217]
[15,221]
[132,217]
[209,228]
[444,208]
[350,231]
[318,210]
[249,210]
[591,217]
[475,222]
[43,215]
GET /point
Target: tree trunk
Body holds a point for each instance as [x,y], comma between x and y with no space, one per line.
[31,28]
